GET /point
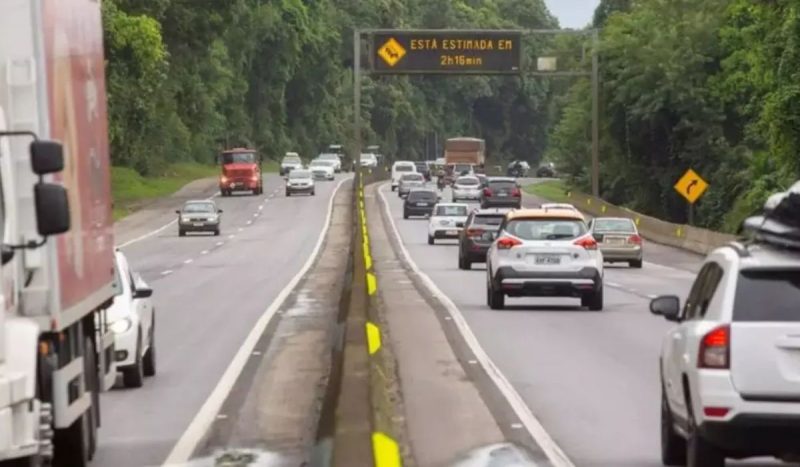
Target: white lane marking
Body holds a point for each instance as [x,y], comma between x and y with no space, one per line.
[272,195]
[249,222]
[204,252]
[188,261]
[156,231]
[220,243]
[241,229]
[651,296]
[199,426]
[261,208]
[166,273]
[554,453]
[231,236]
[671,268]
[613,284]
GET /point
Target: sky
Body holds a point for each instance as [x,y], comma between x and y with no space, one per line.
[572,13]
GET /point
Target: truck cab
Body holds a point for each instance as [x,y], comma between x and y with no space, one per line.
[240,171]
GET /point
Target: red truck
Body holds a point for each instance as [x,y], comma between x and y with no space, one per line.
[241,171]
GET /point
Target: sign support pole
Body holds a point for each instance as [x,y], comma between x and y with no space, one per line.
[691,213]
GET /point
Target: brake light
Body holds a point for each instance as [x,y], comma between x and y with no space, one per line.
[515,192]
[715,411]
[635,239]
[588,243]
[474,232]
[506,243]
[487,192]
[715,348]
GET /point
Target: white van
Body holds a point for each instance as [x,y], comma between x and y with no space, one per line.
[400,168]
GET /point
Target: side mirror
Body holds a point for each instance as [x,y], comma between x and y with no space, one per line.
[143,292]
[47,157]
[219,211]
[177,211]
[52,209]
[668,306]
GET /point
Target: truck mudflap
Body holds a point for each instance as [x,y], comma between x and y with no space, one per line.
[106,362]
[66,413]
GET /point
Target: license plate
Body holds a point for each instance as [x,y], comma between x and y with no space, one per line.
[502,195]
[198,224]
[547,259]
[422,204]
[452,232]
[614,241]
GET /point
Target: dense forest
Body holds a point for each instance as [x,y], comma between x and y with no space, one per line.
[713,85]
[187,77]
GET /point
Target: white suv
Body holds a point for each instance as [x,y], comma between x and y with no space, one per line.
[730,369]
[544,253]
[447,220]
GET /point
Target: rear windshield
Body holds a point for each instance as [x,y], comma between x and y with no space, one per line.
[502,185]
[493,221]
[614,225]
[767,296]
[451,211]
[291,159]
[412,177]
[421,195]
[404,168]
[299,174]
[546,229]
[468,181]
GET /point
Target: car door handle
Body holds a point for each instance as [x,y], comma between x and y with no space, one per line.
[788,342]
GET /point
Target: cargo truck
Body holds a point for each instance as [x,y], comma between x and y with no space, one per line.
[57,270]
[240,171]
[463,154]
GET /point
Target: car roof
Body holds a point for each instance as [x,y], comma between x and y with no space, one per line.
[452,204]
[614,219]
[544,214]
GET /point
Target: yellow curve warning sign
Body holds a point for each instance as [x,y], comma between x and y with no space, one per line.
[691,186]
[391,52]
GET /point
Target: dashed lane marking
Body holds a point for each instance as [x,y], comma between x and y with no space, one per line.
[220,243]
[231,236]
[204,252]
[188,261]
[166,273]
[249,222]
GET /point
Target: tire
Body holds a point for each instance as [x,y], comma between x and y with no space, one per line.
[494,298]
[405,215]
[149,359]
[393,188]
[431,240]
[594,300]
[673,446]
[467,264]
[461,262]
[699,452]
[313,193]
[288,194]
[181,233]
[72,445]
[216,233]
[635,264]
[133,376]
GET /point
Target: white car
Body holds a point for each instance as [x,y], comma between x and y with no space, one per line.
[446,221]
[334,158]
[399,169]
[467,188]
[322,169]
[132,320]
[559,206]
[369,160]
[291,161]
[730,368]
[541,253]
[300,181]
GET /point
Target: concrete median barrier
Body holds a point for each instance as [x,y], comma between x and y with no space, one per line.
[683,236]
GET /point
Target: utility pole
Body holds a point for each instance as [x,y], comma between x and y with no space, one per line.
[357,101]
[595,116]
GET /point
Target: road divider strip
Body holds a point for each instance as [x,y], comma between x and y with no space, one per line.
[535,429]
[200,424]
[386,451]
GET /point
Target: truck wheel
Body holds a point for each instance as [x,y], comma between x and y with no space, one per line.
[149,359]
[72,445]
[93,385]
[133,376]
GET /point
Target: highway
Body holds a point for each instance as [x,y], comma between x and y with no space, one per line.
[209,293]
[591,378]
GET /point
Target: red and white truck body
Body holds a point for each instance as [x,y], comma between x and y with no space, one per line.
[56,352]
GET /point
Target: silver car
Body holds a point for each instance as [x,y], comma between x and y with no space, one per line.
[467,188]
[618,239]
[300,181]
[409,181]
[198,216]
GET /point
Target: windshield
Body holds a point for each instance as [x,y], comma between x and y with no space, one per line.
[299,174]
[404,168]
[329,157]
[239,158]
[421,195]
[767,295]
[614,225]
[368,157]
[546,229]
[488,221]
[198,208]
[120,286]
[317,163]
[456,211]
[468,181]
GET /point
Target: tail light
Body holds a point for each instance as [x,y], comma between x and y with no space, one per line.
[515,192]
[223,179]
[635,239]
[487,192]
[254,177]
[474,232]
[715,349]
[507,243]
[587,242]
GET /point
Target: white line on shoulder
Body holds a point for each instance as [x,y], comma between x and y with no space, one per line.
[554,453]
[188,442]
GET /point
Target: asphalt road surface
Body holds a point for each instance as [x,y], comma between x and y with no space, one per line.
[208,293]
[591,378]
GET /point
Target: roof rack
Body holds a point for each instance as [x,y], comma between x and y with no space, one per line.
[740,248]
[779,225]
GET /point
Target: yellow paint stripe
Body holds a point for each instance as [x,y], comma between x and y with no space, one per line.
[385,450]
[372,283]
[373,338]
[637,221]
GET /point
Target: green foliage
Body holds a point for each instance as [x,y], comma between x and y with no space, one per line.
[189,77]
[711,85]
[552,190]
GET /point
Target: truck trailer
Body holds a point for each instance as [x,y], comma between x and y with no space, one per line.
[464,150]
[57,272]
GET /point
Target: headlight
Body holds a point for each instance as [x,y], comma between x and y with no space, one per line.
[120,326]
